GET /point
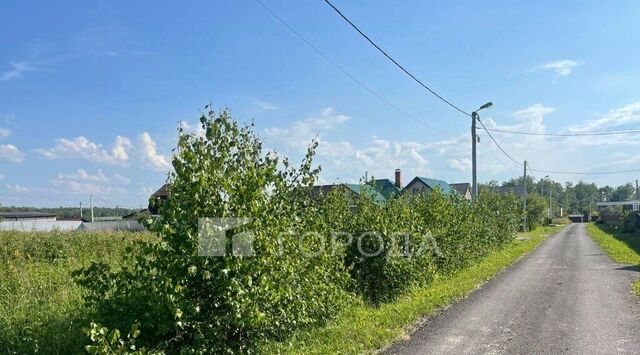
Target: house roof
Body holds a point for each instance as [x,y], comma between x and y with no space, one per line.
[516,190]
[387,188]
[461,187]
[433,183]
[357,189]
[618,203]
[162,192]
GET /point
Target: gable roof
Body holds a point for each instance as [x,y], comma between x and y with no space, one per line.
[432,184]
[358,189]
[387,188]
[516,190]
[461,187]
[323,190]
[162,192]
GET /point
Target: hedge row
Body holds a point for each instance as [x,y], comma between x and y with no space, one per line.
[312,257]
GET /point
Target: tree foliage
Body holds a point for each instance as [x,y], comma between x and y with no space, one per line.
[313,257]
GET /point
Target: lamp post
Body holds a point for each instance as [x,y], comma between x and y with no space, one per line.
[542,185]
[474,139]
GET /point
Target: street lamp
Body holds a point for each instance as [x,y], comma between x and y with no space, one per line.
[542,185]
[474,137]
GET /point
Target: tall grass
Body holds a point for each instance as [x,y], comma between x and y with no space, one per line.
[41,308]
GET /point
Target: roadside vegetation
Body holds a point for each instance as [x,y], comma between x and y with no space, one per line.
[363,328]
[622,247]
[364,273]
[41,308]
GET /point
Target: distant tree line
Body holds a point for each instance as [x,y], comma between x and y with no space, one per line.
[580,198]
[73,212]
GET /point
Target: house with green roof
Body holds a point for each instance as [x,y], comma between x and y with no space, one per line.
[387,188]
[381,190]
[351,190]
[423,185]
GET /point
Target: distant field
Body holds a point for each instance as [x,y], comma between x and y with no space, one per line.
[41,309]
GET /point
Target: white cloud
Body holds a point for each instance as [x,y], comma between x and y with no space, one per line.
[150,156]
[614,118]
[5,132]
[82,182]
[121,179]
[463,164]
[18,189]
[17,70]
[378,157]
[192,129]
[265,105]
[560,67]
[11,153]
[81,174]
[300,134]
[82,148]
[147,190]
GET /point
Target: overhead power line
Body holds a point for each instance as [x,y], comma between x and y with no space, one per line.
[587,173]
[498,144]
[394,61]
[565,134]
[488,131]
[347,74]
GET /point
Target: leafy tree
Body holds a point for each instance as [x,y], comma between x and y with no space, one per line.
[623,192]
[606,192]
[586,197]
[536,208]
[225,304]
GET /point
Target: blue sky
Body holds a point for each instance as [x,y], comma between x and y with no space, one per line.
[91,92]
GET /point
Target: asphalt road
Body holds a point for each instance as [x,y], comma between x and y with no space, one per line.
[566,296]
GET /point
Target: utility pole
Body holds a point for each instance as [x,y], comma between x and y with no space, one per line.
[91,206]
[474,137]
[80,209]
[524,204]
[550,214]
[637,191]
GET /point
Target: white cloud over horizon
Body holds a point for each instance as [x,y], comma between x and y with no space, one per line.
[81,182]
[11,153]
[150,155]
[19,189]
[82,148]
[120,154]
[559,67]
[17,71]
[265,105]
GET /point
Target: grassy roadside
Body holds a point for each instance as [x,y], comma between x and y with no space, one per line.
[41,308]
[621,247]
[365,329]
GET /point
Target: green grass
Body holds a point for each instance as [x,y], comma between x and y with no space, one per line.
[365,329]
[621,247]
[41,309]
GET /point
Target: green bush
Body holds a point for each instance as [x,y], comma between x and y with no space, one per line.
[563,220]
[388,251]
[536,206]
[313,257]
[224,304]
